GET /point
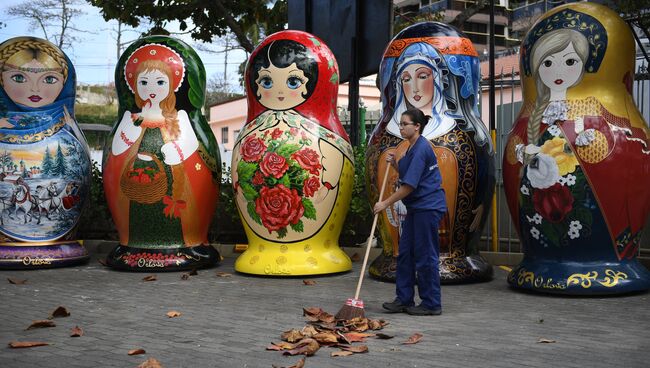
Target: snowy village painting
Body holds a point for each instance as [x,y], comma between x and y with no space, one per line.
[42,187]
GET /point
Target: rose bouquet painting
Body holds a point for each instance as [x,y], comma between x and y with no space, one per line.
[279,177]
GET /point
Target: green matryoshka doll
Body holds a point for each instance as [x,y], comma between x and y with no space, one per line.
[162,168]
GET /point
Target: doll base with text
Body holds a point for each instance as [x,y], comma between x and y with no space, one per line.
[579,278]
[173,259]
[23,256]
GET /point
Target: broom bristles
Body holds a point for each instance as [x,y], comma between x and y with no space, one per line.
[352,308]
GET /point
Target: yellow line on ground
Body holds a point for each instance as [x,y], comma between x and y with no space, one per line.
[505,268]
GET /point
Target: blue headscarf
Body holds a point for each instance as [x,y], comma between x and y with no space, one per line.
[31,120]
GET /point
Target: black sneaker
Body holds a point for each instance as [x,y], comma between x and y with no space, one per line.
[395,306]
[421,310]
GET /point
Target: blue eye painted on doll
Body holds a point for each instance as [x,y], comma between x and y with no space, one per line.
[50,79]
[143,82]
[18,78]
[266,82]
[294,82]
[161,82]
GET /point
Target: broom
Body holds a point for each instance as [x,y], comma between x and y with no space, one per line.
[353,307]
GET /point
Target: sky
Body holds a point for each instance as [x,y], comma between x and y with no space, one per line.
[94,57]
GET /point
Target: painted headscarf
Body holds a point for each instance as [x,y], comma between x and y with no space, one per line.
[320,103]
[425,54]
[29,120]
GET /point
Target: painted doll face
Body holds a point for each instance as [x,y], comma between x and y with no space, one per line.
[561,70]
[281,88]
[153,85]
[32,85]
[417,83]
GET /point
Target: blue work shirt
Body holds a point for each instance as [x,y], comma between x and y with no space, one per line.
[419,169]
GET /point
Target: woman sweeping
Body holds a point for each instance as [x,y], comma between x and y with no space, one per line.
[421,192]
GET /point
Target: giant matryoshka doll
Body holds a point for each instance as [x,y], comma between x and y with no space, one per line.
[292,164]
[577,166]
[161,168]
[435,68]
[44,158]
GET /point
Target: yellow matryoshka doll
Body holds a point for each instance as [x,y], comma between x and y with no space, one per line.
[433,67]
[292,163]
[162,168]
[44,158]
[576,168]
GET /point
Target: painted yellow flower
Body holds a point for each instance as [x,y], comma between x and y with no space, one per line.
[565,159]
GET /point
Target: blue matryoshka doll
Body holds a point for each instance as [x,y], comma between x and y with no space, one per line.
[44,159]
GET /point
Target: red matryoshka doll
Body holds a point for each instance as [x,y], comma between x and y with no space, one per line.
[44,158]
[292,163]
[577,165]
[162,168]
[433,67]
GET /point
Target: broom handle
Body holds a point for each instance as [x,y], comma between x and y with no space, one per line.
[372,232]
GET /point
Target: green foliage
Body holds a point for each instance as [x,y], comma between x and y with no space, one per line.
[357,224]
[96,222]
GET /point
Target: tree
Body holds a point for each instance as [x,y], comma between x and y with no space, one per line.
[59,168]
[248,20]
[47,162]
[53,17]
[468,12]
[6,159]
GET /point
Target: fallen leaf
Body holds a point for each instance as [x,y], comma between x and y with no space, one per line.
[41,324]
[76,332]
[355,257]
[331,326]
[414,339]
[545,341]
[172,314]
[305,346]
[59,312]
[353,348]
[194,272]
[150,363]
[16,281]
[291,335]
[376,324]
[299,364]
[308,331]
[357,336]
[312,311]
[102,261]
[382,336]
[223,274]
[26,344]
[150,278]
[342,336]
[326,338]
[282,345]
[185,276]
[340,353]
[357,324]
[309,282]
[136,352]
[326,317]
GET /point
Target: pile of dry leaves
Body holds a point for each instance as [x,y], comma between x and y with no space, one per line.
[323,330]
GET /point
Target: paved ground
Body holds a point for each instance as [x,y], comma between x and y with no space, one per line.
[228,322]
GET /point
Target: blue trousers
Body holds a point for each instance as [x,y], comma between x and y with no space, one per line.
[418,259]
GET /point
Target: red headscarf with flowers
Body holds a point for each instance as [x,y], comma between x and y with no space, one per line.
[154,51]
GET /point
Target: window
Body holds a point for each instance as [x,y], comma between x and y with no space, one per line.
[224,135]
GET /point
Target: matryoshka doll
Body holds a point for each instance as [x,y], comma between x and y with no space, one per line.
[292,163]
[433,67]
[162,168]
[577,165]
[44,158]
